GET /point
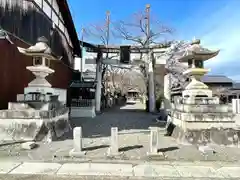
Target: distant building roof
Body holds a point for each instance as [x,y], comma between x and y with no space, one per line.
[236,86]
[216,79]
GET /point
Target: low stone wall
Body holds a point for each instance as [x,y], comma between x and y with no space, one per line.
[219,136]
[203,117]
[35,129]
[204,123]
[202,108]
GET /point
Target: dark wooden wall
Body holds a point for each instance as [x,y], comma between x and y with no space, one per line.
[25,26]
[31,23]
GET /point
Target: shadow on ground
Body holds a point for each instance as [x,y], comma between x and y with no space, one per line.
[92,148]
[128,117]
[128,148]
[173,148]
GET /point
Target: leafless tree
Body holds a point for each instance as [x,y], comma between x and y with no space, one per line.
[136,31]
[100,34]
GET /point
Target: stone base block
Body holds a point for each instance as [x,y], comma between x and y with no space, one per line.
[151,154]
[34,129]
[219,136]
[74,153]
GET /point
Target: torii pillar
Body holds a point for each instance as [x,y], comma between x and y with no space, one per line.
[98,92]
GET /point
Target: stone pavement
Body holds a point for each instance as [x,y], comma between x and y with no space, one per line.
[179,161]
[134,144]
[173,170]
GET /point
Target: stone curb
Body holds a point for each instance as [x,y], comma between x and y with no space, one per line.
[177,170]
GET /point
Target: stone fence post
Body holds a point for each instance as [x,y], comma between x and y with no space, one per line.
[113,149]
[77,143]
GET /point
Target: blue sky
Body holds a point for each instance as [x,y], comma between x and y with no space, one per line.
[215,22]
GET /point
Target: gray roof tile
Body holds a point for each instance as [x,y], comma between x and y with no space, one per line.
[216,79]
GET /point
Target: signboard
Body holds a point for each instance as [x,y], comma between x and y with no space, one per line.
[125,54]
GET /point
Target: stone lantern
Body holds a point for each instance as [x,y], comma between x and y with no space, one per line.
[41,55]
[195,55]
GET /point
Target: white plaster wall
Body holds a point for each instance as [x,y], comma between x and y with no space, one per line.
[55,5]
[47,9]
[77,63]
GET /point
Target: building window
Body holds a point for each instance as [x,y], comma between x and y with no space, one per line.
[55,18]
[61,26]
[55,6]
[47,9]
[39,2]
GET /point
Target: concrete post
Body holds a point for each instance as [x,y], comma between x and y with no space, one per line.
[77,143]
[113,149]
[154,139]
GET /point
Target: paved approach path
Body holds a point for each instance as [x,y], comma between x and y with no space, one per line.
[127,117]
[133,146]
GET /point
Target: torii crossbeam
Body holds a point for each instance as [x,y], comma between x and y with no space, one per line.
[116,49]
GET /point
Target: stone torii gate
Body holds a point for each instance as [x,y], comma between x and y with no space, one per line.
[150,51]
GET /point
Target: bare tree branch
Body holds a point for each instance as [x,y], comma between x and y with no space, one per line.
[98,32]
[136,30]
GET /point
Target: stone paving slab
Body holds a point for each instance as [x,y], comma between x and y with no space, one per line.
[141,170]
[6,167]
[96,169]
[57,177]
[230,172]
[198,172]
[148,170]
[36,168]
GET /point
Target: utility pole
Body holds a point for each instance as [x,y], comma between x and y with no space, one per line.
[107,41]
[151,84]
[108,27]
